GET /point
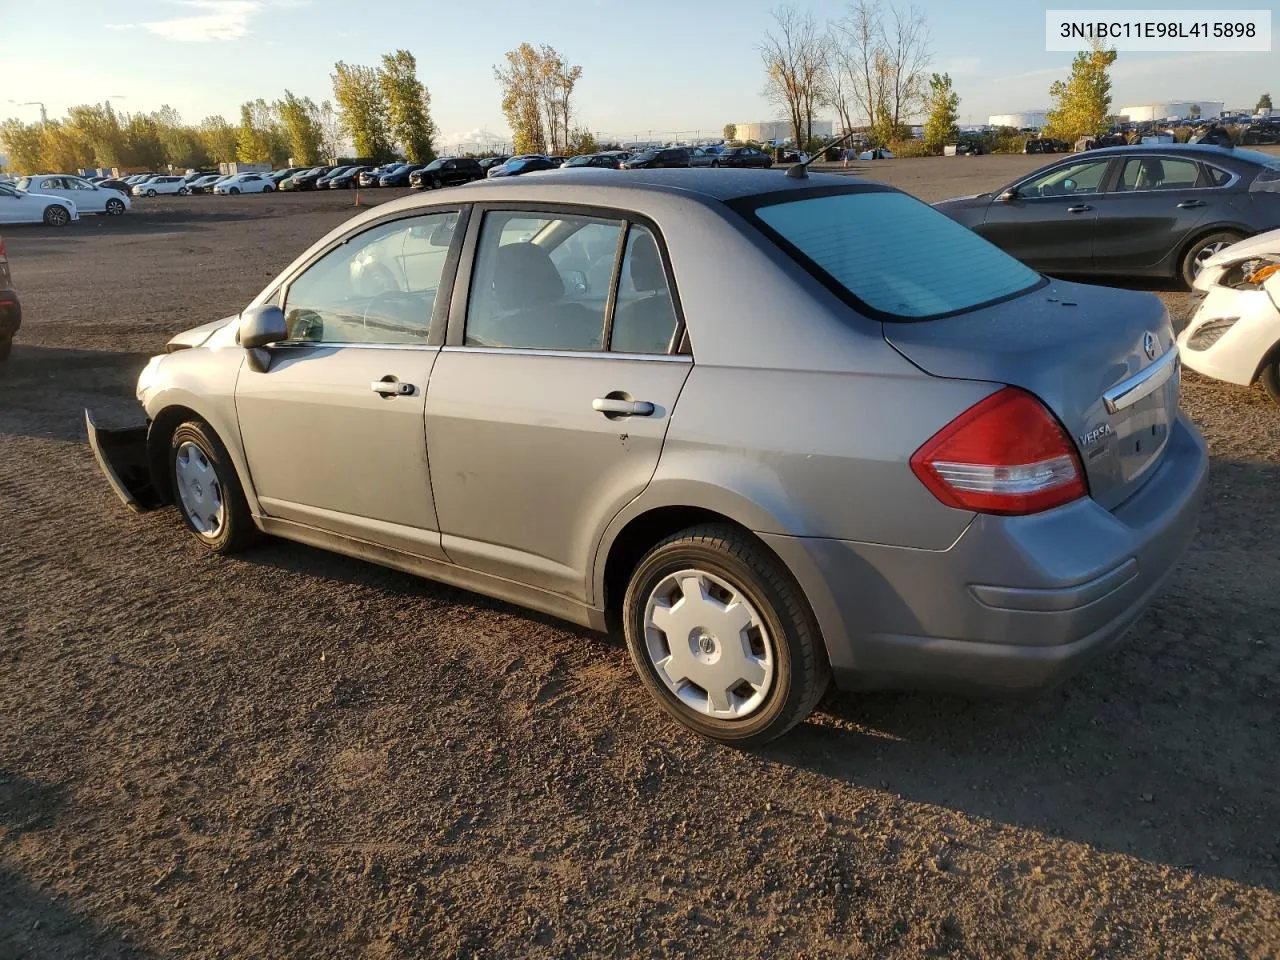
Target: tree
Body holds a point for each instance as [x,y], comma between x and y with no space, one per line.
[300,119]
[794,55]
[99,127]
[1264,103]
[218,139]
[362,109]
[142,146]
[521,82]
[876,66]
[942,125]
[1083,100]
[408,106]
[730,131]
[330,131]
[61,150]
[254,140]
[581,141]
[1194,112]
[558,79]
[22,141]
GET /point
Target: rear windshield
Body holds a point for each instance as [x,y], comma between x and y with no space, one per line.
[893,254]
[1268,177]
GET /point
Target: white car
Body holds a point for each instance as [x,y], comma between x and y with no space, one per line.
[244,183]
[157,186]
[1235,335]
[88,197]
[18,206]
[879,153]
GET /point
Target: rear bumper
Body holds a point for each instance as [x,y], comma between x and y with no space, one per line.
[1016,603]
[122,457]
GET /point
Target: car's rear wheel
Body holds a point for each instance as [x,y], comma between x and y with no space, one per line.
[115,208]
[151,193]
[1270,377]
[722,636]
[56,216]
[206,489]
[1204,248]
[183,191]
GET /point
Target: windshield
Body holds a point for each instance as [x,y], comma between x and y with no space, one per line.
[434,165]
[24,183]
[582,161]
[644,157]
[892,254]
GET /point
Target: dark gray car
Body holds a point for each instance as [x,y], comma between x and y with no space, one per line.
[1153,211]
[739,416]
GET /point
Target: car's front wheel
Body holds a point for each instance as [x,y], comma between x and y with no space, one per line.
[234,191]
[183,191]
[115,208]
[722,636]
[207,490]
[151,193]
[1270,377]
[56,216]
[268,188]
[1204,248]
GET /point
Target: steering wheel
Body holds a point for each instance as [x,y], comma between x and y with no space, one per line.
[393,298]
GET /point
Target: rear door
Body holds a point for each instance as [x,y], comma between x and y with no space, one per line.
[539,432]
[1050,222]
[1152,210]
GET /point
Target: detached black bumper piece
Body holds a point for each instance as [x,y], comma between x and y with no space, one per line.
[122,455]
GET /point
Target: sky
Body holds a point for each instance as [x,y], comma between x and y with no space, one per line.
[657,66]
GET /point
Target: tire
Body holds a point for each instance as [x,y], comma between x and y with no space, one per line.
[234,191]
[183,191]
[151,193]
[435,183]
[115,208]
[1201,250]
[268,189]
[725,560]
[1269,375]
[56,215]
[204,483]
[6,346]
[715,163]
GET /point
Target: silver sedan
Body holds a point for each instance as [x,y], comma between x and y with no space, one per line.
[774,429]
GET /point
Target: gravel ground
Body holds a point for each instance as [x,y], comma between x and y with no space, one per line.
[292,754]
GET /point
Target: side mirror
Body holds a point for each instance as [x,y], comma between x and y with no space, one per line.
[262,325]
[1007,195]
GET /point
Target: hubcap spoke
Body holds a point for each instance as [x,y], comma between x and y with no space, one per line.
[199,490]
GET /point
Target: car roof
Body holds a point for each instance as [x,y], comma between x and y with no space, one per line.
[1208,149]
[585,185]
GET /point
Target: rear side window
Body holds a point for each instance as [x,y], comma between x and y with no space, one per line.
[1217,176]
[893,254]
[1158,173]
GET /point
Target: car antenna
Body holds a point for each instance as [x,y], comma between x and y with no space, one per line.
[801,170]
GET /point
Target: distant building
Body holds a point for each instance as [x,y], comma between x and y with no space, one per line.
[1171,109]
[1022,120]
[778,130]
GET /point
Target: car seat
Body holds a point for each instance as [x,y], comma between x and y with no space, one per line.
[645,325]
[533,310]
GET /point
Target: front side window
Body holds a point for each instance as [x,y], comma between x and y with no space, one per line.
[867,245]
[378,287]
[541,282]
[1067,180]
[1158,173]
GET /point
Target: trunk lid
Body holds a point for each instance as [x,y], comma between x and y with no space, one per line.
[1076,347]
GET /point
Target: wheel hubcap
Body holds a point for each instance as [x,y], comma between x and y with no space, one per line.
[200,490]
[1207,252]
[709,645]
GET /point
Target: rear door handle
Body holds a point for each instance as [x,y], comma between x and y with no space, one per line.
[1190,204]
[392,388]
[1082,208]
[611,407]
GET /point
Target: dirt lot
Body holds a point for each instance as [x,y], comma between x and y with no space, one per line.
[291,754]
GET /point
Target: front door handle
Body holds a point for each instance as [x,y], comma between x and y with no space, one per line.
[1082,208]
[1190,204]
[612,407]
[392,388]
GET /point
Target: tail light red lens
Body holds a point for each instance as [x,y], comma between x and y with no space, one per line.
[1005,455]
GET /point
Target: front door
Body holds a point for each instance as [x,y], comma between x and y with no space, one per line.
[333,428]
[1155,205]
[1049,223]
[547,411]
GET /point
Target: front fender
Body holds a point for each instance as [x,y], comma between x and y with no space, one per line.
[201,381]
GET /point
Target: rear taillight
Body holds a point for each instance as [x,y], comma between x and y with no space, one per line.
[2,248]
[1005,455]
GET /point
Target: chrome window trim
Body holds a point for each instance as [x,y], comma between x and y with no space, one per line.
[597,354]
[335,344]
[1235,177]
